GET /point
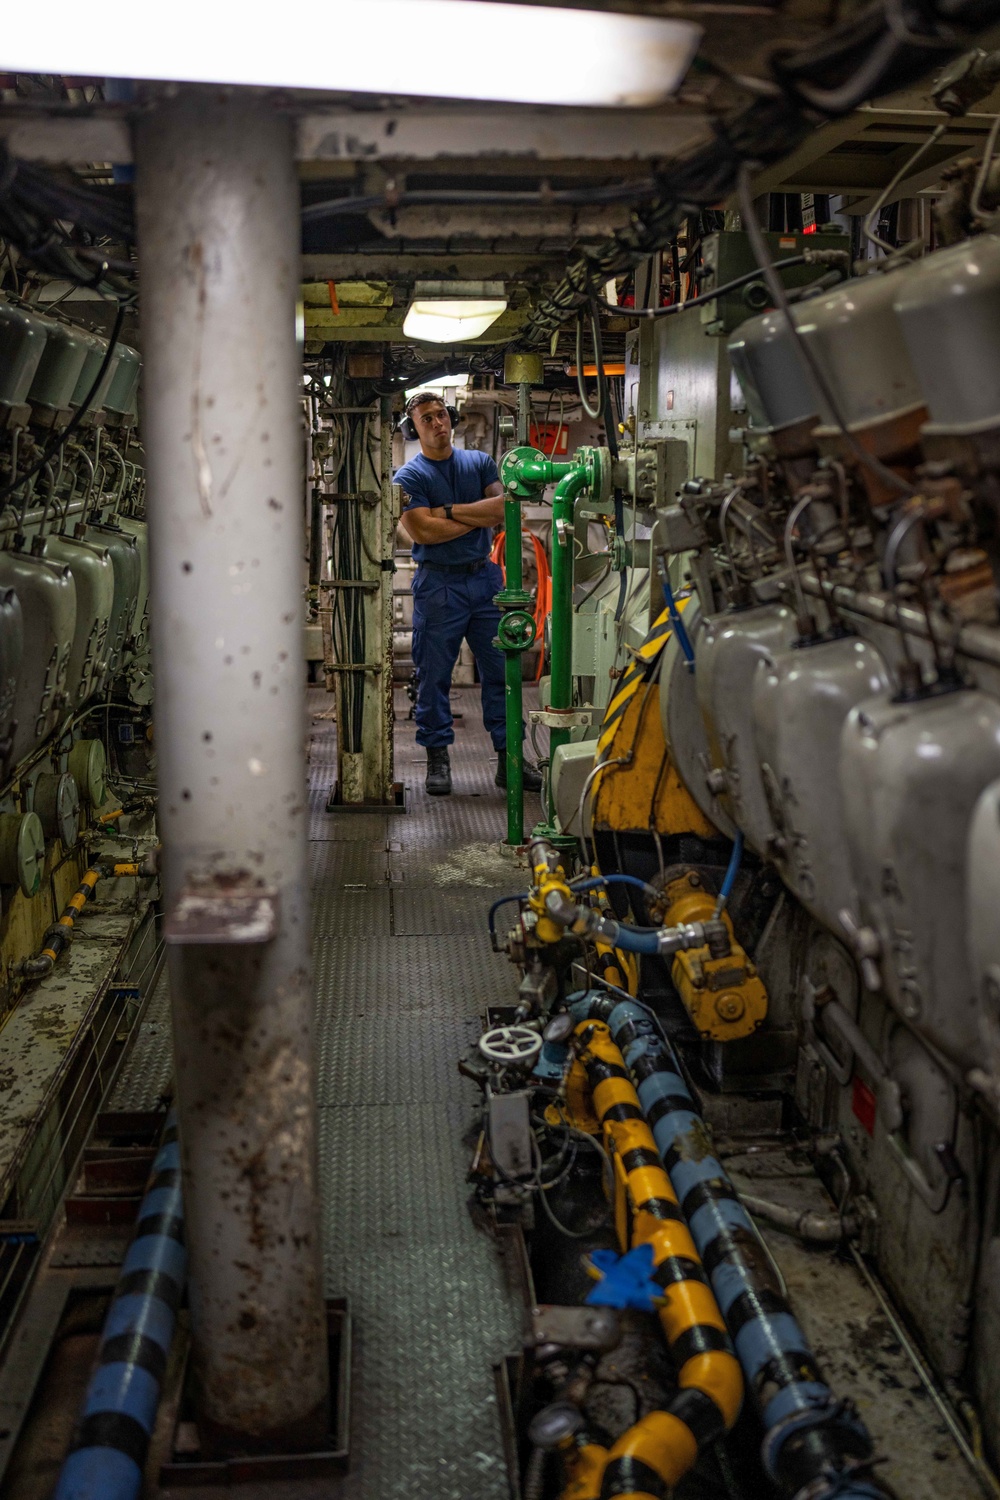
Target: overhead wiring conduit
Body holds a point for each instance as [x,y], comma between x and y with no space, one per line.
[864,58]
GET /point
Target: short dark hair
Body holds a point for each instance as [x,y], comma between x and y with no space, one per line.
[421,398]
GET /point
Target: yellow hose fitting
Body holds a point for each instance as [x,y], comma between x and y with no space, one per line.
[725,997]
[584,1472]
[545,881]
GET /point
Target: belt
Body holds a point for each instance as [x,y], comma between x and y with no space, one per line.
[472,567]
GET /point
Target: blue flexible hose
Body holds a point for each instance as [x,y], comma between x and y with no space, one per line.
[684,640]
[587,883]
[635,940]
[732,870]
[520,896]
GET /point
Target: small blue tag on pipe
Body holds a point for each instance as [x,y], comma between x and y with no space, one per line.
[626,1280]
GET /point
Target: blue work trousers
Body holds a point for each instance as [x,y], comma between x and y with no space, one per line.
[447,609]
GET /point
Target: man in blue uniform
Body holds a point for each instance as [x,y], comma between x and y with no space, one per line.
[454,498]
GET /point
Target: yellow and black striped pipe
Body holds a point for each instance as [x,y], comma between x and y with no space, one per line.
[585,1468]
[57,939]
[652,1456]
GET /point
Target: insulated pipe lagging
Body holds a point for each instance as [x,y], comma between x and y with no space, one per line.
[119,1410]
[811,1438]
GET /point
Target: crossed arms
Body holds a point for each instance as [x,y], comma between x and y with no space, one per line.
[427,525]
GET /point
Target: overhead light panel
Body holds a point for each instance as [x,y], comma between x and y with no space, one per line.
[452,49]
[452,312]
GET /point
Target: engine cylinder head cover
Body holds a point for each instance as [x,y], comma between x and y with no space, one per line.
[948,307]
[911,774]
[96,350]
[772,373]
[684,727]
[22,344]
[47,594]
[94,578]
[801,699]
[731,648]
[59,368]
[120,399]
[983,883]
[855,337]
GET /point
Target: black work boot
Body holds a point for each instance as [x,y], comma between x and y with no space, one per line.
[438,780]
[531,775]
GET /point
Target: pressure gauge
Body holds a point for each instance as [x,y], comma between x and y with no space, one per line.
[22,851]
[87,766]
[57,803]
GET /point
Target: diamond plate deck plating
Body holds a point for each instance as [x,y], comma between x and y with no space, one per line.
[145,1079]
[402,971]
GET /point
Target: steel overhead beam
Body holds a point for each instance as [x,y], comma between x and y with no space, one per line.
[385,264]
[910,187]
[504,132]
[398,135]
[824,163]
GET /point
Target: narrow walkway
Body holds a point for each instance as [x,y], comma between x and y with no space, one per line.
[403,969]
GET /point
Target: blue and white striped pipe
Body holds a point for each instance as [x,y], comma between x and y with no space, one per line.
[119,1410]
[813,1442]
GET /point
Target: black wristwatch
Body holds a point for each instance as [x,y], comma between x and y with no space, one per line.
[448,512]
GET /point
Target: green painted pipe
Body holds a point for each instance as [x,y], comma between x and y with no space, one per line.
[513,675]
[561,687]
[525,473]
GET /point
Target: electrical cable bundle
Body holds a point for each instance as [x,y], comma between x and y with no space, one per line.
[889,45]
[348,606]
[36,207]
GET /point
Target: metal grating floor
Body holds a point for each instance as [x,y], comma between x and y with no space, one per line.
[402,971]
[145,1079]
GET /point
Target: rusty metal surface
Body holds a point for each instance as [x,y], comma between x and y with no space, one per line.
[853,1341]
[41,1037]
[223,911]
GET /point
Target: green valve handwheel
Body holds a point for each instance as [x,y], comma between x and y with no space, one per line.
[516,631]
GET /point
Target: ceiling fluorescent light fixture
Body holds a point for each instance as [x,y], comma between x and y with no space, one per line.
[451,49]
[451,312]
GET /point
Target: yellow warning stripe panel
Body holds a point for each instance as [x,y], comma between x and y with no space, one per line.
[634,676]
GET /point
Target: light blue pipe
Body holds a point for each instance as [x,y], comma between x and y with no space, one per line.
[732,870]
[813,1442]
[683,639]
[119,1410]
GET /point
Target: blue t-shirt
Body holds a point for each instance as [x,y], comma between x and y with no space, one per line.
[459,480]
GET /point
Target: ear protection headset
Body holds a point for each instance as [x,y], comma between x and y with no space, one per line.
[406,423]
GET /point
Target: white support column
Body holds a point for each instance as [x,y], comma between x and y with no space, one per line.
[218,218]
